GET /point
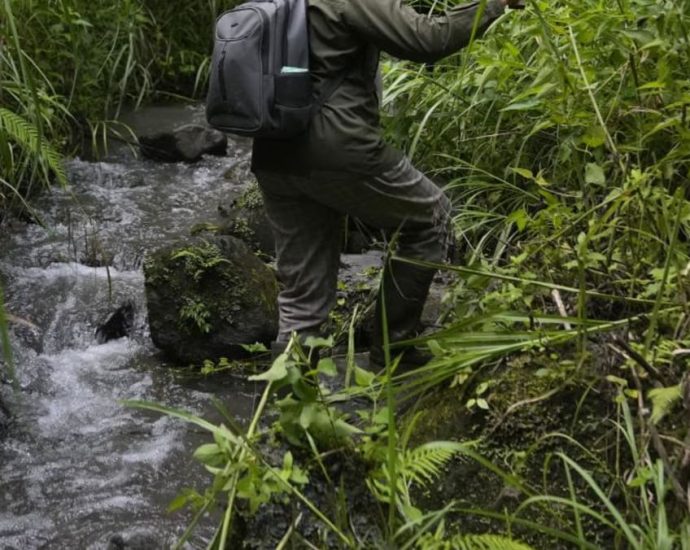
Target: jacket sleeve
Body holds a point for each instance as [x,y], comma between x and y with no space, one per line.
[399,30]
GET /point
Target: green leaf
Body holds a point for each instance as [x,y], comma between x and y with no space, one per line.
[471,542]
[520,218]
[594,137]
[309,415]
[27,135]
[412,513]
[524,172]
[663,400]
[315,342]
[187,496]
[288,461]
[381,417]
[363,377]
[220,431]
[208,454]
[327,366]
[278,371]
[594,174]
[655,85]
[254,348]
[523,105]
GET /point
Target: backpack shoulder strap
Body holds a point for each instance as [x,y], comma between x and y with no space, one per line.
[297,29]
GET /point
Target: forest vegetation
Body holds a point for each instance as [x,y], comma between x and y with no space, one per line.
[563,137]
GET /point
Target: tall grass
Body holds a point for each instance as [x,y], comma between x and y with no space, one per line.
[563,138]
[568,125]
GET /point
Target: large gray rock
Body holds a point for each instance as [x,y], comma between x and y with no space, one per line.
[186,143]
[207,297]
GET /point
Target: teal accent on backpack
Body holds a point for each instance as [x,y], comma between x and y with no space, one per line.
[293,70]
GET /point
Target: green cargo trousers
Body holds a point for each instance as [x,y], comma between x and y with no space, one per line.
[306,215]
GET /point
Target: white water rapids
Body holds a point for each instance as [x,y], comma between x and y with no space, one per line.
[76,467]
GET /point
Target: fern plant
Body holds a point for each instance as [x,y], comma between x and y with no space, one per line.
[200,259]
[26,135]
[416,467]
[663,400]
[470,542]
[23,152]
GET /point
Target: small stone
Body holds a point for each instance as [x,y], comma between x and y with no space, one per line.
[118,325]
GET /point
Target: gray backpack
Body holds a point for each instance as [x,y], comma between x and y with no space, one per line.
[260,84]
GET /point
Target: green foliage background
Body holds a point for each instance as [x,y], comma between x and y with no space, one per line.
[68,67]
[564,134]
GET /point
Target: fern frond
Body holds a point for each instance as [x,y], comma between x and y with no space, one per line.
[663,400]
[419,466]
[472,542]
[25,134]
[423,464]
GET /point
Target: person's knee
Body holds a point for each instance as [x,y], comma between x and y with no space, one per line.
[430,241]
[443,224]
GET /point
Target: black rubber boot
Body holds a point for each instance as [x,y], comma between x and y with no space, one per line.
[404,289]
[279,346]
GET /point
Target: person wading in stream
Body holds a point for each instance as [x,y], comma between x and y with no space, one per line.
[342,166]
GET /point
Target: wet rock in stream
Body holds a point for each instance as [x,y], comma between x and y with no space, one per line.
[186,143]
[207,297]
[134,541]
[118,325]
[4,418]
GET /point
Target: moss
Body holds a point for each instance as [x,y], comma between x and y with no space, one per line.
[213,292]
[240,228]
[531,398]
[251,199]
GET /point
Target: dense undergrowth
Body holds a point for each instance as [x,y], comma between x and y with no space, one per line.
[563,137]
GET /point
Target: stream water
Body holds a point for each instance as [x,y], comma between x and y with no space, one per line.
[76,467]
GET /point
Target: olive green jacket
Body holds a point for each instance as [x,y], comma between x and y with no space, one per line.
[346,37]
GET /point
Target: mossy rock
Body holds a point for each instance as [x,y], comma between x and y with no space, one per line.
[207,297]
[247,221]
[533,412]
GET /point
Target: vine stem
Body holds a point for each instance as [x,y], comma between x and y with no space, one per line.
[609,140]
[664,279]
[227,518]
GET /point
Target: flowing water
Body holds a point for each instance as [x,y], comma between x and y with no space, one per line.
[77,468]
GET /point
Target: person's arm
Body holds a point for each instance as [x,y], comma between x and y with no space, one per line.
[399,30]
